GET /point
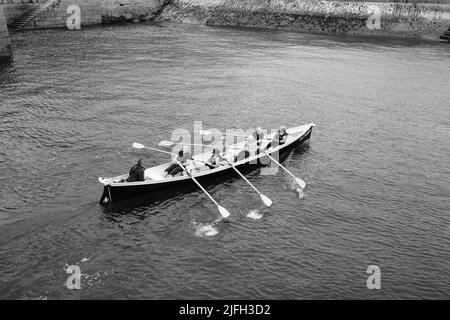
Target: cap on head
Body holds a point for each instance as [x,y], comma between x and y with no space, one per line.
[283,128]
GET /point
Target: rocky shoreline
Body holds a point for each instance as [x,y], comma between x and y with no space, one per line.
[427,21]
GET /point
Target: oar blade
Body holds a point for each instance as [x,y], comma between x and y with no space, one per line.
[266,200]
[301,183]
[166,143]
[138,145]
[224,212]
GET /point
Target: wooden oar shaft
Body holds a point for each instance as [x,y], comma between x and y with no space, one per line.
[171,153]
[243,177]
[240,135]
[300,182]
[198,184]
[273,159]
[234,135]
[265,199]
[154,149]
[186,144]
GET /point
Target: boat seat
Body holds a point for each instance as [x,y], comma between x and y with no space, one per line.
[152,175]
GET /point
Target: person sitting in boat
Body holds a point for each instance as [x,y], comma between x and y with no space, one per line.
[192,166]
[258,135]
[245,152]
[136,172]
[182,157]
[279,139]
[224,152]
[215,160]
[282,135]
[252,145]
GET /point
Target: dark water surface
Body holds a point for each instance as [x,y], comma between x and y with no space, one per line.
[377,167]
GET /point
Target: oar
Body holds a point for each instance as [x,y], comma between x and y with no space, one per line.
[141,146]
[300,182]
[208,133]
[168,144]
[265,199]
[224,212]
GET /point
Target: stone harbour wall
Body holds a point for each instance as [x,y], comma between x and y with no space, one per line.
[424,20]
[130,10]
[411,18]
[5,41]
[92,11]
[14,9]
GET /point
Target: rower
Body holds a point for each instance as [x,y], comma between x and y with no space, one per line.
[183,156]
[258,135]
[245,152]
[279,139]
[225,153]
[191,166]
[215,160]
[136,172]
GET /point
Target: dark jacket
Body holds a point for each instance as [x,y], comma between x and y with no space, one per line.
[136,173]
[258,137]
[183,157]
[280,138]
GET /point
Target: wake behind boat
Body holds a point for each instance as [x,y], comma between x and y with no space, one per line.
[156,185]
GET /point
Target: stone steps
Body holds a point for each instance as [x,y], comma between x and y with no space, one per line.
[33,13]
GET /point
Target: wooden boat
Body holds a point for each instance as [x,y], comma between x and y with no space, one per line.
[155,185]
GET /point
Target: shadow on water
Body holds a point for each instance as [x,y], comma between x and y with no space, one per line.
[8,73]
[301,149]
[331,39]
[144,205]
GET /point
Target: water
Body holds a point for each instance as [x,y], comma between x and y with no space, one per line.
[376,168]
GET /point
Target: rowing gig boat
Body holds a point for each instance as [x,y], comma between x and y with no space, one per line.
[156,186]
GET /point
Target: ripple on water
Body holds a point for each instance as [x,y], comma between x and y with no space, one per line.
[376,168]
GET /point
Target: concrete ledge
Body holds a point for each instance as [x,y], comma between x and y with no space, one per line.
[5,42]
[398,19]
[93,12]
